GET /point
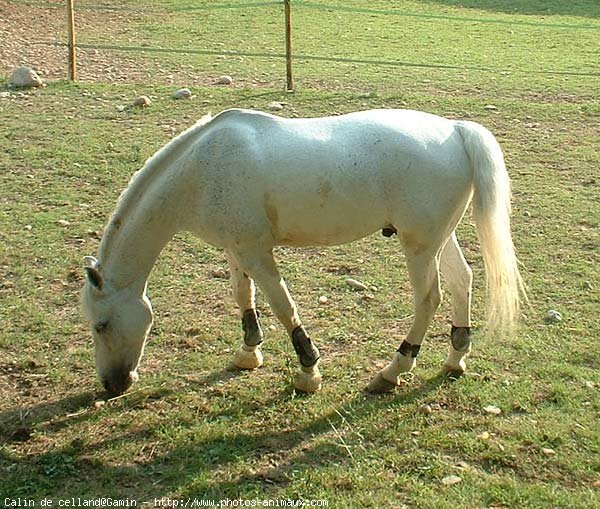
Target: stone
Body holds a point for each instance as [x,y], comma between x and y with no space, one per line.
[25,77]
[552,316]
[275,106]
[357,285]
[182,93]
[142,101]
[224,80]
[451,480]
[492,409]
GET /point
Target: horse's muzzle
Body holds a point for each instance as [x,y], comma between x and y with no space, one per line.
[119,381]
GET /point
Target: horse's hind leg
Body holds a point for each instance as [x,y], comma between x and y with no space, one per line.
[249,356]
[459,277]
[261,266]
[423,270]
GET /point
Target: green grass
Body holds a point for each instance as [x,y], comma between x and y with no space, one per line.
[192,429]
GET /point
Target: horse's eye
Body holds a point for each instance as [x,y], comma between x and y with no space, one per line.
[100,327]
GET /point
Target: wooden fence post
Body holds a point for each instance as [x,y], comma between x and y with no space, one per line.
[288,44]
[71,41]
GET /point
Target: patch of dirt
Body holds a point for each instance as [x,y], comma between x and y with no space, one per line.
[29,35]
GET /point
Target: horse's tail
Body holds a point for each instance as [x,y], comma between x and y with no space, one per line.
[491,211]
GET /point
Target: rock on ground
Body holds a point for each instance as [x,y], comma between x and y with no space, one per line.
[25,77]
[143,101]
[224,80]
[183,93]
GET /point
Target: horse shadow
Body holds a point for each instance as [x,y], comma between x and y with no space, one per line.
[288,453]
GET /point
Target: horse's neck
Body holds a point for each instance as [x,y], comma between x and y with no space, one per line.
[139,231]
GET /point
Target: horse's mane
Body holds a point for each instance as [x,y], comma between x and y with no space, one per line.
[140,181]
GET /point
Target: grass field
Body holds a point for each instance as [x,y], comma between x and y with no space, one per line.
[190,428]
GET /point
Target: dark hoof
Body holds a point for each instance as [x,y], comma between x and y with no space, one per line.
[380,385]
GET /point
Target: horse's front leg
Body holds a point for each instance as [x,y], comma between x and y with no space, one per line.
[261,266]
[250,355]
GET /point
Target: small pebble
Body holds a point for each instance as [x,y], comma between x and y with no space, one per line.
[275,106]
[484,436]
[553,316]
[546,451]
[142,101]
[182,93]
[323,299]
[64,222]
[425,409]
[490,107]
[357,285]
[99,404]
[451,480]
[587,286]
[224,80]
[493,410]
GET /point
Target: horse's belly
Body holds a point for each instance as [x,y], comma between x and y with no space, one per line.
[323,221]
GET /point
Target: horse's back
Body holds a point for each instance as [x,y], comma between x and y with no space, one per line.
[333,179]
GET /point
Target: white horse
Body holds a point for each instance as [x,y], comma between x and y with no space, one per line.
[247,181]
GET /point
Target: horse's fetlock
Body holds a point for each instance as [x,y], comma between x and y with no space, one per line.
[409,350]
[460,338]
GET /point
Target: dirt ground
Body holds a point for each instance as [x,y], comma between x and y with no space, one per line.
[29,34]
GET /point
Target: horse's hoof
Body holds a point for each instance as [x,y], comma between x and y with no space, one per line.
[381,385]
[248,359]
[453,371]
[308,381]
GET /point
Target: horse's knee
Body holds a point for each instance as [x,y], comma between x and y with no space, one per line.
[434,298]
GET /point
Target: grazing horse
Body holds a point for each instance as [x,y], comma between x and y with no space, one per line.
[247,181]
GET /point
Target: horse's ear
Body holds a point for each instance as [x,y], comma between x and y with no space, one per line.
[90,265]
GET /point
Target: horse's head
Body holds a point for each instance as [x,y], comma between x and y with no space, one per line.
[120,320]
